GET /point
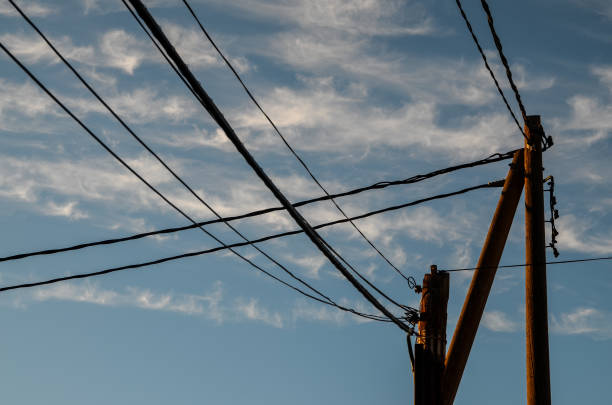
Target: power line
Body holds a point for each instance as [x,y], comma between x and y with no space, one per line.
[295,154]
[151,187]
[507,266]
[486,62]
[216,114]
[279,235]
[217,249]
[156,156]
[377,186]
[410,280]
[500,50]
[177,257]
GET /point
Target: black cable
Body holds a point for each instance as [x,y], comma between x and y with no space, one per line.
[155,155]
[177,257]
[411,281]
[364,278]
[152,188]
[380,185]
[299,159]
[507,266]
[19,256]
[409,316]
[216,114]
[500,50]
[486,62]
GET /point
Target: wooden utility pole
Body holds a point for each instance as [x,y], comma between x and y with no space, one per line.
[536,316]
[482,280]
[430,347]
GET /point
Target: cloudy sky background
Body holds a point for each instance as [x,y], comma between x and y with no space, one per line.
[365,91]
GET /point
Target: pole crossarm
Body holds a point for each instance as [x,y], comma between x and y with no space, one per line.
[482,280]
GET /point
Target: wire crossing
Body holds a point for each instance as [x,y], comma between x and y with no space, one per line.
[216,114]
[151,187]
[241,244]
[171,230]
[411,282]
[161,161]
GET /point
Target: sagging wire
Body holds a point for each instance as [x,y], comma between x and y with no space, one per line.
[554,214]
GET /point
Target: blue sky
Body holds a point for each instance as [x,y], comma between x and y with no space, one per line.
[365,91]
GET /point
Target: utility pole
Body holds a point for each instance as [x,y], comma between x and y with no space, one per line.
[536,316]
[430,348]
[482,280]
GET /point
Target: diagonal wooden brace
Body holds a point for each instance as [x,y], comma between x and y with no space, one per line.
[476,299]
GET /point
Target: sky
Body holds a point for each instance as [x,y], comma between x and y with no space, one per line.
[365,91]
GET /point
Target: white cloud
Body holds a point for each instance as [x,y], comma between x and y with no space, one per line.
[31,8]
[320,118]
[362,17]
[68,210]
[498,321]
[24,100]
[583,321]
[252,310]
[604,73]
[32,49]
[312,264]
[207,305]
[210,305]
[588,114]
[118,49]
[577,234]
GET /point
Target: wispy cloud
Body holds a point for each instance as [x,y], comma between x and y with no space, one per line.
[498,321]
[32,8]
[578,234]
[207,305]
[252,310]
[586,321]
[392,17]
[117,49]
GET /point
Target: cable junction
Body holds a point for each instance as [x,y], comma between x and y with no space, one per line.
[409,279]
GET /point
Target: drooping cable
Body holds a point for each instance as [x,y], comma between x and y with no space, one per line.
[409,279]
[155,155]
[410,312]
[486,62]
[135,173]
[216,114]
[375,186]
[19,256]
[177,257]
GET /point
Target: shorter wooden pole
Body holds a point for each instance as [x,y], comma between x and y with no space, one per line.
[430,347]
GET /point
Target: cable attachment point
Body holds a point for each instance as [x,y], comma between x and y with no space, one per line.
[412,284]
[554,214]
[412,317]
